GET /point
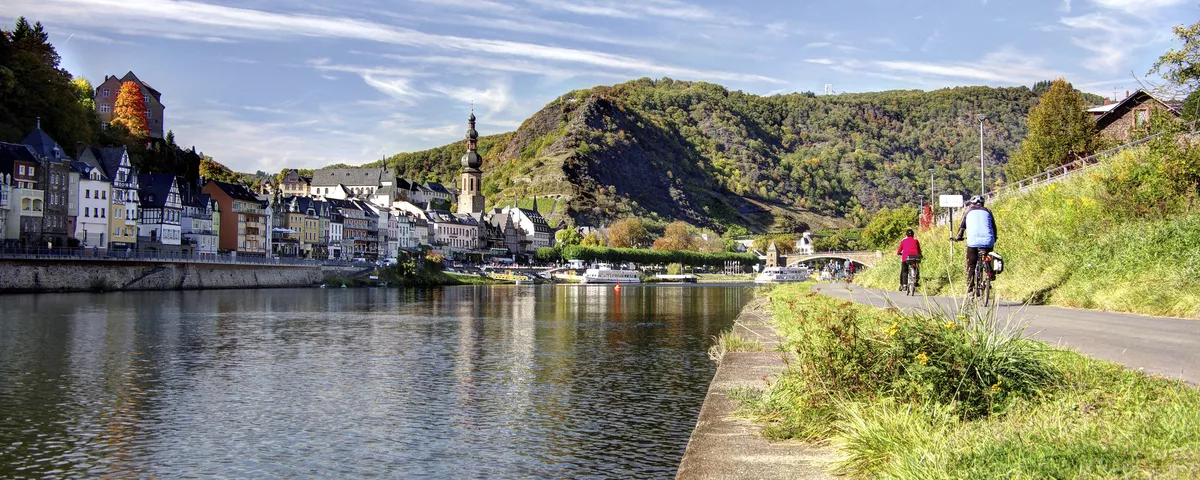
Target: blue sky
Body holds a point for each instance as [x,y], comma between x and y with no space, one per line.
[269,84]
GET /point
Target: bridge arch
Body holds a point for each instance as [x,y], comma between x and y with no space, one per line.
[865,258]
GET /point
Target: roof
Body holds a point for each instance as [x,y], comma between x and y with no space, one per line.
[43,145]
[293,176]
[130,77]
[328,177]
[11,152]
[437,187]
[1129,103]
[1102,108]
[237,192]
[86,168]
[108,159]
[153,189]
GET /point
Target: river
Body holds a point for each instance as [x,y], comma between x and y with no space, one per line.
[460,382]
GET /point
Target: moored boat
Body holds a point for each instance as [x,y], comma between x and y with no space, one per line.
[783,275]
[604,273]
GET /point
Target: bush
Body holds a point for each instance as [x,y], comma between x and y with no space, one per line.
[888,226]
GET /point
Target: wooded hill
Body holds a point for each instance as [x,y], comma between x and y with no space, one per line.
[694,151]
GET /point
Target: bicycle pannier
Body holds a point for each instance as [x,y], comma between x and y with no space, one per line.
[997,263]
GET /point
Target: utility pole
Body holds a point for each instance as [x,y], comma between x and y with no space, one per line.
[982,183]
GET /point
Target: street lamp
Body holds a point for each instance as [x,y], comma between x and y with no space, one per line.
[982,183]
[931,199]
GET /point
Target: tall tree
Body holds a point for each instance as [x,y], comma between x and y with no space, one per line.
[32,85]
[628,233]
[1060,131]
[130,110]
[1180,67]
[678,236]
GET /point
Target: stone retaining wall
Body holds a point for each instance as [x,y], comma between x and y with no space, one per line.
[73,276]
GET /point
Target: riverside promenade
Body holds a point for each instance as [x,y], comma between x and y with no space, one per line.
[725,446]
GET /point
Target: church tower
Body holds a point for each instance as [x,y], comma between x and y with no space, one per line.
[469,199]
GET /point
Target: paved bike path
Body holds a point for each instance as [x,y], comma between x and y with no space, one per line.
[1170,346]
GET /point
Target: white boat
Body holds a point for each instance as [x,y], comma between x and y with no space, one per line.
[783,275]
[604,273]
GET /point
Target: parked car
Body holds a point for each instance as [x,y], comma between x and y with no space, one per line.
[358,260]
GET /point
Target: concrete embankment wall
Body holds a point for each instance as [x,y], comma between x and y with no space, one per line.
[75,275]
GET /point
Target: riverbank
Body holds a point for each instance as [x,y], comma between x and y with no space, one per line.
[916,395]
[725,445]
[440,279]
[67,275]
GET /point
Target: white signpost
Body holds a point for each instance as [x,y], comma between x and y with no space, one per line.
[952,202]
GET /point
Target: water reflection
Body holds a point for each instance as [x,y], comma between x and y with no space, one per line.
[498,382]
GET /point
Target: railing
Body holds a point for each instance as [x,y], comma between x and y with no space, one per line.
[122,255]
[1055,174]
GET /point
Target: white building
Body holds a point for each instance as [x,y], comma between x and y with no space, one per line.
[160,225]
[91,209]
[535,232]
[197,223]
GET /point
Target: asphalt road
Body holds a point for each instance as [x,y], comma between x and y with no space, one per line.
[1170,346]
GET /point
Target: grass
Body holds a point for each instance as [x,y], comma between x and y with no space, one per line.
[729,341]
[723,278]
[1070,244]
[930,396]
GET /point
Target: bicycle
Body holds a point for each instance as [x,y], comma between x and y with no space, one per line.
[914,273]
[981,281]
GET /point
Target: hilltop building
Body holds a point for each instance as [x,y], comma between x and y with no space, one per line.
[106,101]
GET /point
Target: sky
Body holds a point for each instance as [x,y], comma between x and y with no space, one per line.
[273,84]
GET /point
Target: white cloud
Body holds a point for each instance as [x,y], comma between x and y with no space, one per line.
[819,61]
[1006,66]
[1139,8]
[496,98]
[1066,6]
[171,19]
[1111,40]
[669,9]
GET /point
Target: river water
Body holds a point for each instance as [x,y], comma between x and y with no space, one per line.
[461,382]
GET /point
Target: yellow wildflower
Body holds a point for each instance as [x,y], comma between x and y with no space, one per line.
[962,318]
[951,325]
[996,387]
[923,359]
[892,330]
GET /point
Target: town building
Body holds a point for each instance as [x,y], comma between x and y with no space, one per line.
[344,183]
[91,208]
[1129,119]
[5,198]
[295,184]
[123,200]
[535,232]
[26,199]
[470,201]
[243,219]
[199,236]
[106,101]
[335,225]
[55,176]
[159,226]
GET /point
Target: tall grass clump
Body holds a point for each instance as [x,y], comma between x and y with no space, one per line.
[1123,236]
[933,395]
[730,341]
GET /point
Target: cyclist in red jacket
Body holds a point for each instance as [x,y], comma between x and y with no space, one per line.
[909,246]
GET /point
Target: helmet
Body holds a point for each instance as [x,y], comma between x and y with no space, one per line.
[976,200]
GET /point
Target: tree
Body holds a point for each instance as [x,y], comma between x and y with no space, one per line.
[678,236]
[567,237]
[1179,67]
[628,233]
[130,111]
[785,244]
[1060,131]
[33,86]
[212,170]
[888,226]
[1191,107]
[592,240]
[546,254]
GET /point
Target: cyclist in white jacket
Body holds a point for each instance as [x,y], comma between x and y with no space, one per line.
[980,227]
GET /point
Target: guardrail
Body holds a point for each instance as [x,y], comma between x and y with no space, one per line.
[1055,174]
[119,255]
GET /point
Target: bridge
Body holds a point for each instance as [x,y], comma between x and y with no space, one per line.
[865,257]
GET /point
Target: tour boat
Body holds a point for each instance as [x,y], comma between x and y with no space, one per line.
[783,275]
[605,274]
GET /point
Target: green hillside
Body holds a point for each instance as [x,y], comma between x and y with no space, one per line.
[1124,236]
[694,151]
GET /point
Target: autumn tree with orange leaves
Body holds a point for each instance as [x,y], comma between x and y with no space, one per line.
[130,110]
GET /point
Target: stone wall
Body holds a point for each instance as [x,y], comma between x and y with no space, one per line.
[75,275]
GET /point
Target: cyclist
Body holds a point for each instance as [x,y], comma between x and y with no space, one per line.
[980,228]
[909,246]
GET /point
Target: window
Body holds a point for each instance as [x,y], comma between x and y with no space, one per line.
[87,194]
[103,195]
[86,212]
[1141,118]
[104,93]
[102,214]
[31,171]
[146,99]
[21,170]
[105,108]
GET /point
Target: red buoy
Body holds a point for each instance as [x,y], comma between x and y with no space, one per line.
[617,288]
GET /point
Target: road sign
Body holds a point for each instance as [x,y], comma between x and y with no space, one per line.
[950,201]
